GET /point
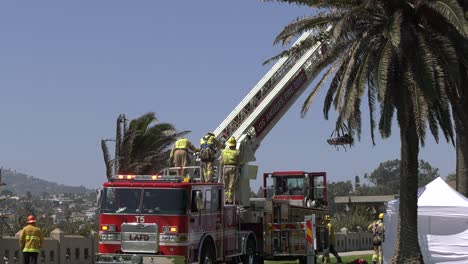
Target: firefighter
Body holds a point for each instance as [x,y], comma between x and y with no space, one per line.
[378,231]
[230,164]
[30,241]
[331,242]
[180,154]
[209,145]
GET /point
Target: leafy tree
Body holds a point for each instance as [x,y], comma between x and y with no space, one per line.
[142,147]
[410,57]
[387,174]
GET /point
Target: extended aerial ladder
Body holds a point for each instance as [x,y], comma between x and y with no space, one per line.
[255,116]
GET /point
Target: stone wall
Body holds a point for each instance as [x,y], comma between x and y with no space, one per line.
[58,248]
[353,241]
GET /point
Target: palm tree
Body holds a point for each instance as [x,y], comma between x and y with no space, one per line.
[404,55]
[142,147]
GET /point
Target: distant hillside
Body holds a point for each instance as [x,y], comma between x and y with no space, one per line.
[20,184]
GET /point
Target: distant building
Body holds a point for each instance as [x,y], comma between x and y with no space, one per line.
[91,214]
[374,203]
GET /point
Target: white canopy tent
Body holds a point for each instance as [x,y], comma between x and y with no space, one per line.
[442,224]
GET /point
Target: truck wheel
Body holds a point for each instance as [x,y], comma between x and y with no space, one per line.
[208,255]
[249,256]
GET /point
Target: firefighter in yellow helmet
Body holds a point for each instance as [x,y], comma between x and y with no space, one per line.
[30,241]
[331,242]
[209,145]
[180,154]
[230,162]
[378,231]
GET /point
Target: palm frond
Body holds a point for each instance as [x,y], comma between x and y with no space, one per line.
[451,11]
[310,98]
[297,2]
[423,65]
[335,83]
[383,69]
[433,124]
[395,29]
[302,47]
[418,104]
[304,24]
[320,3]
[386,115]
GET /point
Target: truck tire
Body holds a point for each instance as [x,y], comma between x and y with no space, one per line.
[208,255]
[249,257]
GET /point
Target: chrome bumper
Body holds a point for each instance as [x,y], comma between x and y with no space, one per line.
[138,259]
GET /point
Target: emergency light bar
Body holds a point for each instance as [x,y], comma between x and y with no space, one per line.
[156,178]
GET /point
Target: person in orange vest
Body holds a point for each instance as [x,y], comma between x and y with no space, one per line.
[230,162]
[209,145]
[331,242]
[180,154]
[30,241]
[378,231]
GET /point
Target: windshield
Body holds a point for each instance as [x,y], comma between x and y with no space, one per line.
[121,200]
[289,186]
[164,201]
[155,201]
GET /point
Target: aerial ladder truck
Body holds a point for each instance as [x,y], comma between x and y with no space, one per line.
[164,219]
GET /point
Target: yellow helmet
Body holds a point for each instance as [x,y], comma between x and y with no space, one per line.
[231,142]
[381,215]
[327,218]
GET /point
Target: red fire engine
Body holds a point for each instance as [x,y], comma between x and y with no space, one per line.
[162,219]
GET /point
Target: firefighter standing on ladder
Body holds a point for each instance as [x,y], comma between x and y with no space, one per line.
[230,164]
[378,231]
[179,154]
[208,147]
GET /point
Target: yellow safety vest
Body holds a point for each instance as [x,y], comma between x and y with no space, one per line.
[31,239]
[181,143]
[331,234]
[231,157]
[208,140]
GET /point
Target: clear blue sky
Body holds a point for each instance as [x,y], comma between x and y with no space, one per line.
[68,68]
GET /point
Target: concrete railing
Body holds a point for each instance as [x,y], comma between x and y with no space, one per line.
[352,241]
[57,249]
[61,248]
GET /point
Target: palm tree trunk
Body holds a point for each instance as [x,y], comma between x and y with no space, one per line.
[407,249]
[118,143]
[107,161]
[462,158]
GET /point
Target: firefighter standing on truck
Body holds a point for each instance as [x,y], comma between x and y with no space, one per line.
[209,144]
[331,242]
[30,241]
[378,231]
[180,154]
[230,164]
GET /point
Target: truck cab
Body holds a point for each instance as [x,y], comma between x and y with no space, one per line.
[300,188]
